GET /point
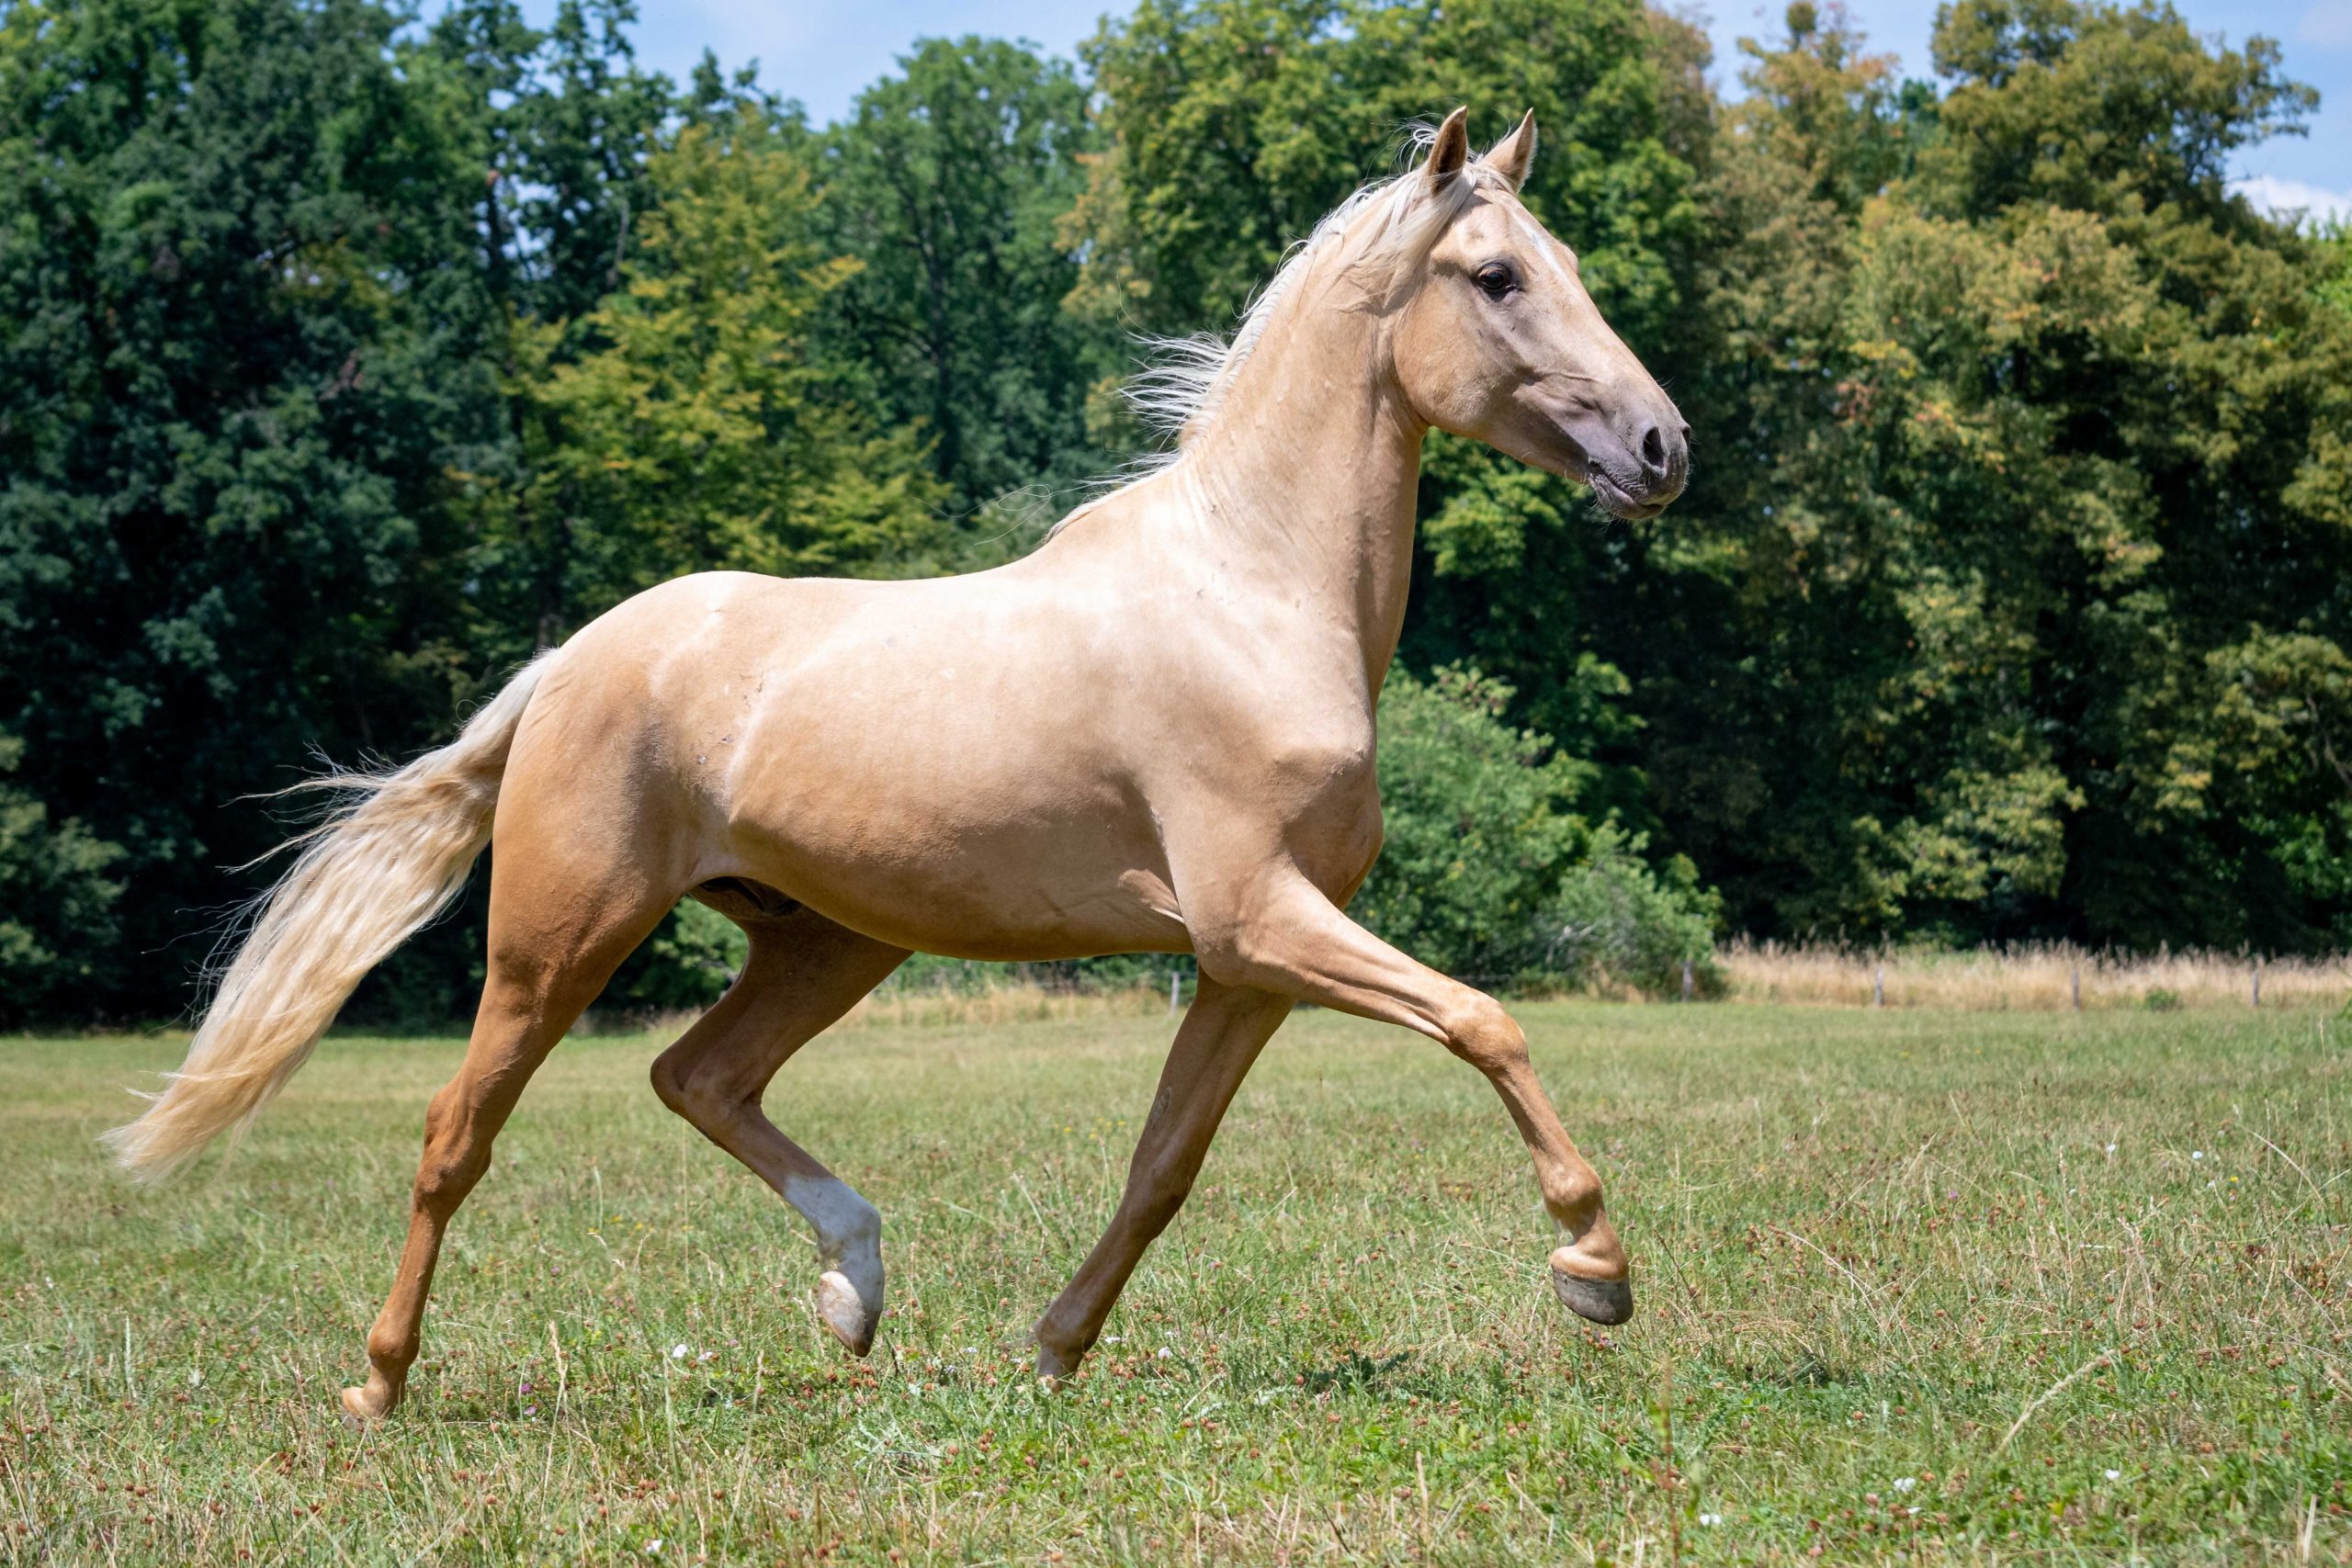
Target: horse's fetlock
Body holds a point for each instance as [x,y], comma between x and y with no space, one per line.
[1574,1199]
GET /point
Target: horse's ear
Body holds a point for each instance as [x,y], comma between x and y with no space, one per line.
[1515,153]
[1449,152]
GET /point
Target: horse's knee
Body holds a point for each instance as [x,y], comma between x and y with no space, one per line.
[1156,1190]
[445,1175]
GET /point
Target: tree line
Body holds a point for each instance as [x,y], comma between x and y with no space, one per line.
[345,359]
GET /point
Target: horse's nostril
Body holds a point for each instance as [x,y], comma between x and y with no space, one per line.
[1653,447]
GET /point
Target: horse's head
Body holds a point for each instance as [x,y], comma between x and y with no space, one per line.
[1500,342]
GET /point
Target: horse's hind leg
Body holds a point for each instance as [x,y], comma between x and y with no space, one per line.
[555,939]
[803,973]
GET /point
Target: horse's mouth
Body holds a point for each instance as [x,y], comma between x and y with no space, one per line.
[1584,447]
[1618,502]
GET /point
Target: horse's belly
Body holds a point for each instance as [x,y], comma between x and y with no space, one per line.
[1022,881]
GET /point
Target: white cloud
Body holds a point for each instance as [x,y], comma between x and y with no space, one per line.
[2281,196]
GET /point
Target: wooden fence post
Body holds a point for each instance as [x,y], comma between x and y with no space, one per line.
[2257,982]
[2075,988]
[1175,987]
[1689,984]
[1878,984]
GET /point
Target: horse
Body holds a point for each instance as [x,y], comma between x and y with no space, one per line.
[1152,734]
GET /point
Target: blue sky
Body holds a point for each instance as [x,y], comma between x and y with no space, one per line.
[823,51]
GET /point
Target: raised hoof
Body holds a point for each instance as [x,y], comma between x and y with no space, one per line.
[370,1404]
[1605,1302]
[1054,1367]
[844,1313]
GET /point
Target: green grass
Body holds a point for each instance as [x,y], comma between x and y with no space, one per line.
[1967,1265]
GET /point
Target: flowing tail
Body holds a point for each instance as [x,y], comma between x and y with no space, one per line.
[365,880]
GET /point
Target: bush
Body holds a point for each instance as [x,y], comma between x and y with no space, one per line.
[1492,875]
[1617,921]
[685,965]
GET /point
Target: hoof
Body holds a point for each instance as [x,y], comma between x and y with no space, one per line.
[845,1313]
[1606,1301]
[372,1402]
[1054,1367]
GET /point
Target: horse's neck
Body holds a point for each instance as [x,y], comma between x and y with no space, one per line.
[1304,478]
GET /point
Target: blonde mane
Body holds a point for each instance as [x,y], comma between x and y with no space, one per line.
[1178,393]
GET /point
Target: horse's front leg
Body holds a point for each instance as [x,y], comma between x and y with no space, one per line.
[1221,1037]
[1286,936]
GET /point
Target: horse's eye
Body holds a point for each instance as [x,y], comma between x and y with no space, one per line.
[1497,280]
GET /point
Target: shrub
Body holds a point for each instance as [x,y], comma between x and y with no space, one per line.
[1489,872]
[1616,920]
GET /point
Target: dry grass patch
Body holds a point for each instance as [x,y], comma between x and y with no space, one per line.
[2030,979]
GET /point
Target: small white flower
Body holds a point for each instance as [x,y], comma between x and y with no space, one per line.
[1112,1338]
[971,1349]
[2110,1149]
[2197,1154]
[678,1352]
[1904,1482]
[914,1390]
[1910,1511]
[1163,1352]
[1710,1519]
[195,1378]
[653,1547]
[706,1356]
[2115,1476]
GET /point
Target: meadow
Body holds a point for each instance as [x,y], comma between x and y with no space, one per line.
[1915,1285]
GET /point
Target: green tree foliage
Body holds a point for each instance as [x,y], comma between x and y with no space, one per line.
[949,183]
[2020,455]
[346,360]
[56,902]
[242,332]
[692,432]
[2026,459]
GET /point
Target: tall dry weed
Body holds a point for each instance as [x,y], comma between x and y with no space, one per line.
[2041,978]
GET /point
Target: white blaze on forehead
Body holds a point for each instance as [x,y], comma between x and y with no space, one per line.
[1549,251]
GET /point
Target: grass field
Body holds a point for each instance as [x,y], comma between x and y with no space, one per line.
[1916,1285]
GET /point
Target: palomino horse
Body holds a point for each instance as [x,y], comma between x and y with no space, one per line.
[1152,735]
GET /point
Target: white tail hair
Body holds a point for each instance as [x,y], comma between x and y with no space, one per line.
[366,879]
